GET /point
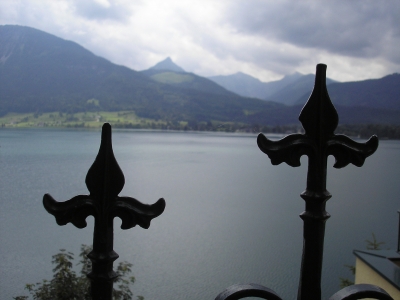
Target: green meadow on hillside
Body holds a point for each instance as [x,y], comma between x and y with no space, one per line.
[121,119]
[82,119]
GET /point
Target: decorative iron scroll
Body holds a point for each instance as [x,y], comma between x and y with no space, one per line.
[319,119]
[104,181]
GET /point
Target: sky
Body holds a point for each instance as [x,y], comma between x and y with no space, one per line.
[358,39]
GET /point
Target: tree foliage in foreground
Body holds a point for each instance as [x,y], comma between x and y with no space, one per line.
[67,285]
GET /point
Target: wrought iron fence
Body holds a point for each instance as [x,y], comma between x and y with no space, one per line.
[319,118]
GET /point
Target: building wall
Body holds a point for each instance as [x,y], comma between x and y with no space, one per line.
[365,274]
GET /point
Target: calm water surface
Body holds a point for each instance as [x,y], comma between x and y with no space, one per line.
[231,216]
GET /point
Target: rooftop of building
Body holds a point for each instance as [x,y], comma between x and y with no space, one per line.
[385,262]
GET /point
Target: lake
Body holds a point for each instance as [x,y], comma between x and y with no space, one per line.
[231,217]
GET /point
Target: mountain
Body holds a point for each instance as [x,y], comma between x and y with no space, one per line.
[382,93]
[276,86]
[167,65]
[289,93]
[242,84]
[40,72]
[167,74]
[286,90]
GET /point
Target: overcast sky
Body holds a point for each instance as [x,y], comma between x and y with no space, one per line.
[357,39]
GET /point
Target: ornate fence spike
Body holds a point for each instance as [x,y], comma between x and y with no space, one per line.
[105,181]
[319,119]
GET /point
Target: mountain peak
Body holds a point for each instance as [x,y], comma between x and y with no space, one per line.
[243,75]
[167,64]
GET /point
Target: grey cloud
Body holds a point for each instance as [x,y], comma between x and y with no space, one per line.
[95,11]
[280,61]
[352,28]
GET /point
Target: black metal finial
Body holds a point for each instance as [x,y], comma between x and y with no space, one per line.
[104,181]
[319,119]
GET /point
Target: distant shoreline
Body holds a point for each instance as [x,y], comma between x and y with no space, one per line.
[129,120]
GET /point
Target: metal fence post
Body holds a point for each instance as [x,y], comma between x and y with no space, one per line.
[319,119]
[104,181]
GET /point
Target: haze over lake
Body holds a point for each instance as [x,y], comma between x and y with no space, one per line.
[231,217]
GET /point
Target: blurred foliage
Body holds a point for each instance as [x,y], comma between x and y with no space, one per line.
[67,285]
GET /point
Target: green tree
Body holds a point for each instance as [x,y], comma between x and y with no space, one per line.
[67,285]
[374,244]
[345,281]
